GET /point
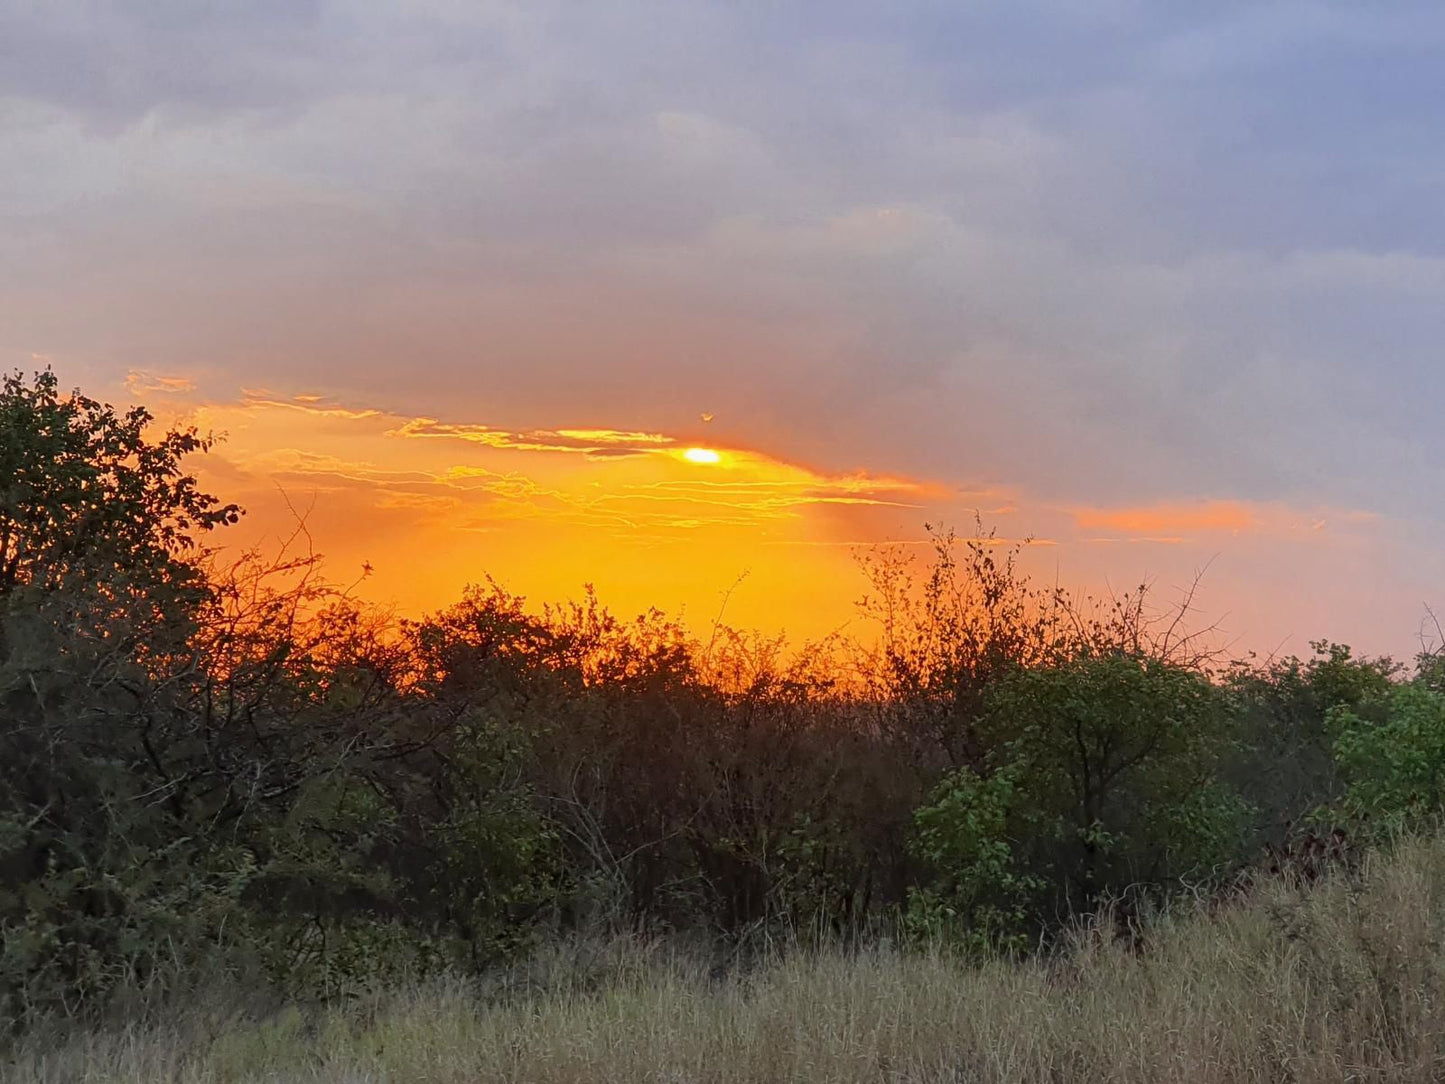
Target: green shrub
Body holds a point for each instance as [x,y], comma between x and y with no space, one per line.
[979,894]
[1101,777]
[1394,767]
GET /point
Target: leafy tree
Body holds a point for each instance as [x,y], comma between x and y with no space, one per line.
[1119,754]
[979,893]
[1393,766]
[946,641]
[1430,668]
[1284,762]
[86,497]
[1101,774]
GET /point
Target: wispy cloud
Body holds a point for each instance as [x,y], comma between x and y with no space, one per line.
[1172,522]
[1209,516]
[595,442]
[653,487]
[140,382]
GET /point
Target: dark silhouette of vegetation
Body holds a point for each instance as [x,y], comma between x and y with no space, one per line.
[238,767]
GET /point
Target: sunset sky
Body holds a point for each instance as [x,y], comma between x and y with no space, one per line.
[477,287]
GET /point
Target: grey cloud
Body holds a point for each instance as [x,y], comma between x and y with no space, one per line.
[113,63]
[1139,249]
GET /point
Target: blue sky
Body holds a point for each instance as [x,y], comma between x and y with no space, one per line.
[1110,254]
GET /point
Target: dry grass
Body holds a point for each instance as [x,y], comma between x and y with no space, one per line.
[1342,982]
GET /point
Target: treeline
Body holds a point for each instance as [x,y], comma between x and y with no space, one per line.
[239,768]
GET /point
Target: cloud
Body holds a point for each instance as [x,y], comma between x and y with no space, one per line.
[538,509]
[1109,257]
[1174,522]
[1209,516]
[594,442]
[285,439]
[115,64]
[140,382]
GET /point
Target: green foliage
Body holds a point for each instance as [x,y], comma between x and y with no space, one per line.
[1336,676]
[1115,753]
[1430,669]
[979,894]
[378,871]
[1101,776]
[85,496]
[1283,762]
[197,760]
[1394,767]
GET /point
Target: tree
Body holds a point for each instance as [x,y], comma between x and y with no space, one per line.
[1284,763]
[86,498]
[101,585]
[1101,773]
[1393,767]
[947,639]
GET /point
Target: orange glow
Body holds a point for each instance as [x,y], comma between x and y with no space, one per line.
[433,505]
[651,519]
[1169,519]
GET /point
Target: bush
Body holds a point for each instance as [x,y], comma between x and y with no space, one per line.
[1101,777]
[1394,766]
[1283,762]
[979,896]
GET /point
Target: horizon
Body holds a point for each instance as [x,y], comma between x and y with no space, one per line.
[695,304]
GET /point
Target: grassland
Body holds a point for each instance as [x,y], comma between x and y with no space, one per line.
[1342,980]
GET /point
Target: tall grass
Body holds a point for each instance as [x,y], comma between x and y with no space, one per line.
[1344,980]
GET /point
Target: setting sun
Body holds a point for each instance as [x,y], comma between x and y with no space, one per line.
[701,455]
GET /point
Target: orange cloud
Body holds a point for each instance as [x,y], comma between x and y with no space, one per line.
[1170,519]
[433,505]
[1178,522]
[139,381]
[596,442]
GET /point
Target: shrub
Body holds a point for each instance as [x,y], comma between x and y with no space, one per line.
[1100,777]
[1394,767]
[979,895]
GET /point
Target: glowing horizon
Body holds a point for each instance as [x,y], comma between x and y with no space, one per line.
[654,519]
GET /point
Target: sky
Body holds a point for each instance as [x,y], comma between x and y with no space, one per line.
[1159,286]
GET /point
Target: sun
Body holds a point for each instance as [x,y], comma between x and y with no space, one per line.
[701,455]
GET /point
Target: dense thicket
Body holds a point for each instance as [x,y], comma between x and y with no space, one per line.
[236,766]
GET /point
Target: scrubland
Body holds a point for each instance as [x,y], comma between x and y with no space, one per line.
[252,828]
[1341,980]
